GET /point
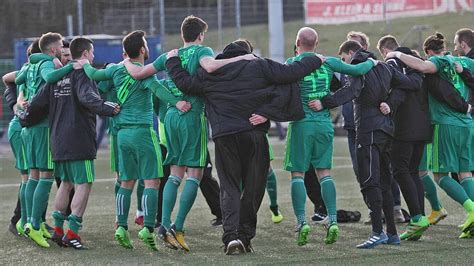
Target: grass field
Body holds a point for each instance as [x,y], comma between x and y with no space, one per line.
[331,36]
[274,244]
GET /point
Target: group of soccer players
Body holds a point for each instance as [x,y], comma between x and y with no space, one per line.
[412,115]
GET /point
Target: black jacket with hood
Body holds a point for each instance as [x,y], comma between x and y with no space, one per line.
[71,105]
[368,92]
[237,90]
[410,109]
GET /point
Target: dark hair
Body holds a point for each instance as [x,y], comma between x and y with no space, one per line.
[33,48]
[244,43]
[388,42]
[79,45]
[133,42]
[466,35]
[65,44]
[364,39]
[435,42]
[47,39]
[191,28]
[349,46]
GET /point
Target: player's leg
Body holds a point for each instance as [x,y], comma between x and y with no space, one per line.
[402,155]
[297,160]
[210,190]
[151,171]
[384,143]
[255,164]
[61,201]
[272,192]
[446,158]
[313,190]
[368,160]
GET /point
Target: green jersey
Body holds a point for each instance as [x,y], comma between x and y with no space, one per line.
[190,57]
[107,86]
[134,96]
[39,71]
[317,84]
[441,113]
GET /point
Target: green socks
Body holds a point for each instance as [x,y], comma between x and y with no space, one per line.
[328,192]
[140,188]
[122,206]
[298,198]
[149,206]
[272,188]
[186,201]
[29,192]
[59,219]
[430,192]
[40,201]
[468,186]
[453,189]
[24,215]
[75,223]
[117,187]
[416,218]
[170,192]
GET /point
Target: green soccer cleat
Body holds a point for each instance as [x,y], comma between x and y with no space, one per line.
[148,238]
[465,235]
[277,218]
[36,236]
[20,229]
[332,234]
[414,231]
[123,237]
[45,231]
[303,234]
[468,225]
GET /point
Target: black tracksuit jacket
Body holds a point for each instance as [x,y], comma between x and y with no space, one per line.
[369,91]
[236,91]
[71,105]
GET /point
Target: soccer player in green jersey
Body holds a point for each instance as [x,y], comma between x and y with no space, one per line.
[107,87]
[138,148]
[16,142]
[452,130]
[310,140]
[41,69]
[186,134]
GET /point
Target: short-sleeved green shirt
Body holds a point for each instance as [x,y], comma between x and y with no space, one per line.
[317,84]
[190,57]
[134,96]
[441,113]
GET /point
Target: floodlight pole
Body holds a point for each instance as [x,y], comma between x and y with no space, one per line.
[237,17]
[80,18]
[275,27]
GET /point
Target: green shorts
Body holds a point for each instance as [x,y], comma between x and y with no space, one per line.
[139,154]
[452,149]
[425,163]
[38,148]
[309,143]
[76,172]
[186,135]
[14,137]
[114,162]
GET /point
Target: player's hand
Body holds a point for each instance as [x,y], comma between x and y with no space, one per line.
[183,106]
[248,57]
[257,119]
[57,63]
[469,109]
[322,57]
[385,108]
[315,105]
[23,104]
[172,53]
[374,61]
[395,54]
[116,109]
[458,67]
[79,64]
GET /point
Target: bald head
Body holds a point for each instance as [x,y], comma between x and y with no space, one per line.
[307,39]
